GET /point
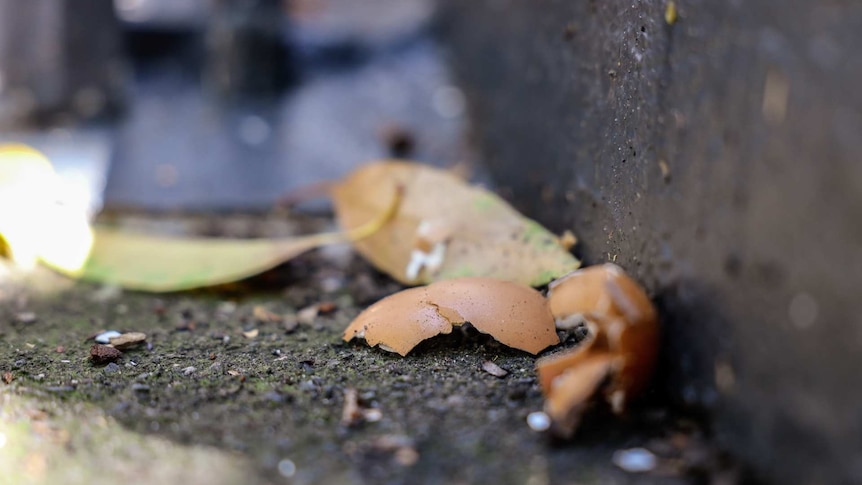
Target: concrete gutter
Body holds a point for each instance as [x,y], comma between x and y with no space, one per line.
[717,159]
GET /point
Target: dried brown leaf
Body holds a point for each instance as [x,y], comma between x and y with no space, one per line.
[446,228]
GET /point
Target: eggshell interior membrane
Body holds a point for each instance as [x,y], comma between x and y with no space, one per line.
[514,314]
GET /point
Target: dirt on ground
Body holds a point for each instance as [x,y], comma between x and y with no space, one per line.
[248,383]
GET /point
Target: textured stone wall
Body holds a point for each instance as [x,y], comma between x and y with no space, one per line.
[719,160]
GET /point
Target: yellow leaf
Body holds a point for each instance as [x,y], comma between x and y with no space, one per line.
[446,228]
[38,218]
[152,263]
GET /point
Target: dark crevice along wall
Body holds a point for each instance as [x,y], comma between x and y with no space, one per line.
[719,160]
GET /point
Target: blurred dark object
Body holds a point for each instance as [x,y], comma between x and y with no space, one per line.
[269,96]
[60,61]
[246,52]
[717,159]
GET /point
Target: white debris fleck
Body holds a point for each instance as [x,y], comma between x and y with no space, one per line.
[188,370]
[420,259]
[372,415]
[105,337]
[635,460]
[538,421]
[494,369]
[287,468]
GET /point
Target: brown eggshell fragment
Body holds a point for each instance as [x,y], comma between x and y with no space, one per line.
[602,292]
[573,389]
[552,366]
[621,311]
[515,315]
[399,322]
[624,334]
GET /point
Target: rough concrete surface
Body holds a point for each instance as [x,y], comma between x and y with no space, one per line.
[717,159]
[218,395]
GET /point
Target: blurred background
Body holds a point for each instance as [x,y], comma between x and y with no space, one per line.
[711,148]
[225,104]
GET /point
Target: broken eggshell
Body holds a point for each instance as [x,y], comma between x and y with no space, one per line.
[515,315]
[615,361]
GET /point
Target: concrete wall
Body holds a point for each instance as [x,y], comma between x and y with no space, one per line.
[719,160]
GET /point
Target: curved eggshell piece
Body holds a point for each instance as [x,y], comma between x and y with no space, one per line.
[399,322]
[583,292]
[515,315]
[552,366]
[572,391]
[620,309]
[617,358]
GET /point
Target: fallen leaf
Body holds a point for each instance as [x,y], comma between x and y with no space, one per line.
[616,359]
[514,314]
[8,377]
[49,221]
[159,264]
[446,228]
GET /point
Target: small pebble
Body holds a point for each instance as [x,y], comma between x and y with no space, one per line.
[635,460]
[25,317]
[105,337]
[290,323]
[111,368]
[307,315]
[189,370]
[102,354]
[494,369]
[286,468]
[538,421]
[128,340]
[325,307]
